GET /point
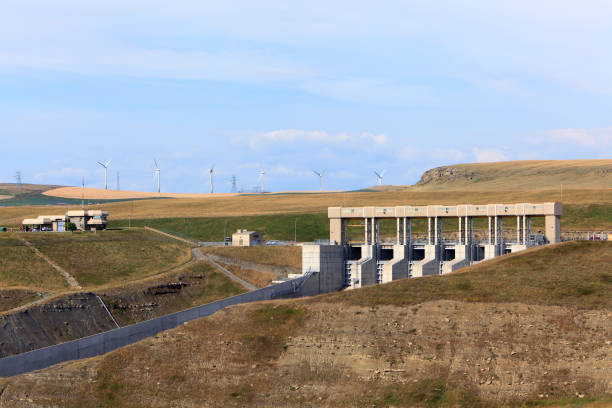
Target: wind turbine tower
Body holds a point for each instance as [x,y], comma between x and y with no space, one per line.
[157,174]
[211,172]
[105,165]
[262,174]
[380,176]
[320,174]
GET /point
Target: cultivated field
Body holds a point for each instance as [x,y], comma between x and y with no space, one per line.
[111,257]
[545,342]
[101,194]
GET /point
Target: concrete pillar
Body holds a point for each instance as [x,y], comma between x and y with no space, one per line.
[526,229]
[552,228]
[376,233]
[430,231]
[469,230]
[461,230]
[399,231]
[499,231]
[366,229]
[407,231]
[491,231]
[337,231]
[438,230]
[519,227]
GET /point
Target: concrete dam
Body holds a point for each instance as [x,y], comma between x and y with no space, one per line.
[349,264]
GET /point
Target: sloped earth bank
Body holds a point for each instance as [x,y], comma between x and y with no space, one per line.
[308,353]
[74,316]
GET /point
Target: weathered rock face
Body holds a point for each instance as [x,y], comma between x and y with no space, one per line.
[445,173]
[57,321]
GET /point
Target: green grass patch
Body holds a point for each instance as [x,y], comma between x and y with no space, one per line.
[312,226]
[280,227]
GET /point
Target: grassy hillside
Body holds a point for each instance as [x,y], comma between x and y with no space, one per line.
[111,257]
[576,274]
[20,267]
[431,342]
[518,175]
[263,255]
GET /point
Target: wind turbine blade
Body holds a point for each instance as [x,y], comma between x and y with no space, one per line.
[156,165]
[377,175]
[108,162]
[100,164]
[323,172]
[316,172]
[383,173]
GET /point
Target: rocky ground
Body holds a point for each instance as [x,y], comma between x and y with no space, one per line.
[314,353]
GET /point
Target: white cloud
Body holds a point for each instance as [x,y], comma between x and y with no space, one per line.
[488,155]
[581,137]
[408,153]
[371,91]
[60,174]
[447,154]
[314,136]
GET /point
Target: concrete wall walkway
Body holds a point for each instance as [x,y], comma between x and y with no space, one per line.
[107,341]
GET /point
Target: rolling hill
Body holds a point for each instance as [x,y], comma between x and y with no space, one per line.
[525,329]
[520,175]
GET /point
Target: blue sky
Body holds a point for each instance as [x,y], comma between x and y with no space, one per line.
[349,86]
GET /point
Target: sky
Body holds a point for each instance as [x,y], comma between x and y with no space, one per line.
[289,87]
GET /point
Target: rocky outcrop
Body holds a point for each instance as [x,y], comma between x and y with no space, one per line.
[444,174]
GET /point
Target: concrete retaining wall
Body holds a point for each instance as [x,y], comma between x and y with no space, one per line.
[104,342]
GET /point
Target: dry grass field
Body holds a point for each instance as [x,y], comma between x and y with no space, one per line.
[521,175]
[546,342]
[573,182]
[255,277]
[111,257]
[310,203]
[264,255]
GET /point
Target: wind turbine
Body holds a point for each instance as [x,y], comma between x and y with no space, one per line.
[320,174]
[105,165]
[157,173]
[262,174]
[211,171]
[380,176]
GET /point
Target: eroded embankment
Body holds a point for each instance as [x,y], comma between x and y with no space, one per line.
[68,318]
[307,353]
[73,316]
